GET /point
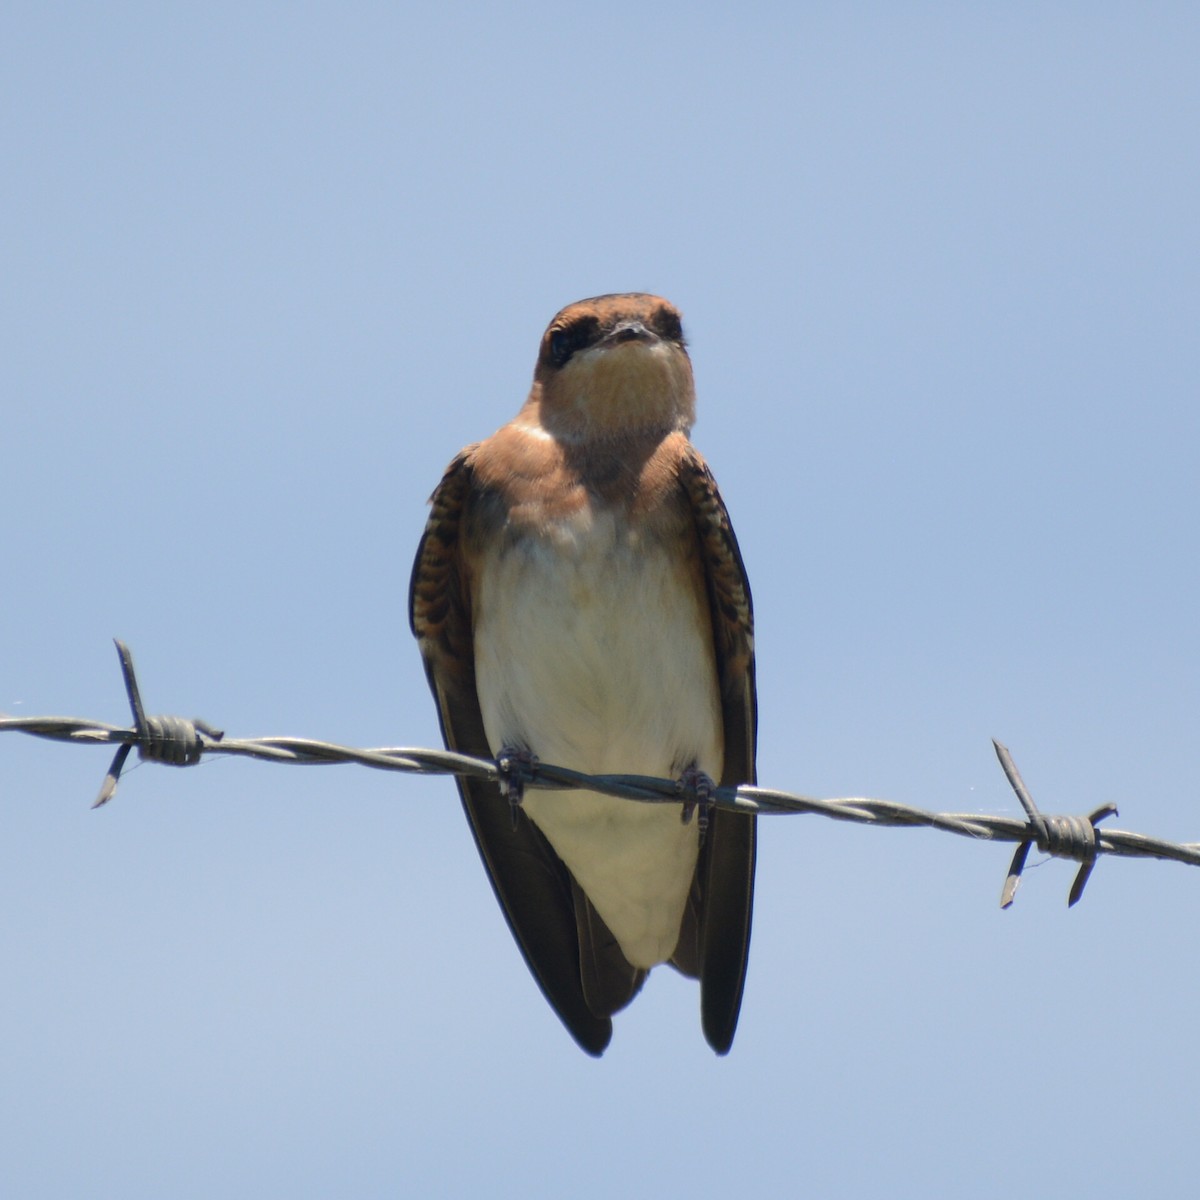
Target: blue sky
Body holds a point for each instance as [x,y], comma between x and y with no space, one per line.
[267,267]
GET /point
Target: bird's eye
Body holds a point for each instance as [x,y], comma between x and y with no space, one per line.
[669,325]
[561,347]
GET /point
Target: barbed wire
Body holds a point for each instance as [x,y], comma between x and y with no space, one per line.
[176,741]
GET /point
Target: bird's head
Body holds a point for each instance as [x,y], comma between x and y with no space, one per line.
[614,366]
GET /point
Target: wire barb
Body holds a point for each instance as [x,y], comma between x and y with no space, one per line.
[1060,837]
[174,741]
[177,742]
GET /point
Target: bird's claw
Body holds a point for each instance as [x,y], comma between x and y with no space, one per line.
[517,767]
[699,793]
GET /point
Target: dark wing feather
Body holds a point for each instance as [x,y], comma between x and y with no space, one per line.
[725,873]
[533,887]
[610,981]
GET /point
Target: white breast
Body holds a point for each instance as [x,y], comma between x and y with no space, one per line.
[594,650]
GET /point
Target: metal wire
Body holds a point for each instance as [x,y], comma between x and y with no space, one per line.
[177,741]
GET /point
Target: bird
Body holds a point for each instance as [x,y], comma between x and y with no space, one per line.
[579,598]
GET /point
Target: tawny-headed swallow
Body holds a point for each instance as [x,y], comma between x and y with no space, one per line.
[580,599]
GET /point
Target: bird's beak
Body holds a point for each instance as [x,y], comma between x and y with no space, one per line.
[628,331]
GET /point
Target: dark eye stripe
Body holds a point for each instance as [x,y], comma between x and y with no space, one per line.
[560,347]
[566,340]
[667,323]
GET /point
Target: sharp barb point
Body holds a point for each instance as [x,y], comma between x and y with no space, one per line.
[108,788]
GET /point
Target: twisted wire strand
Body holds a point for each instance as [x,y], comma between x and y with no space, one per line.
[178,742]
[765,801]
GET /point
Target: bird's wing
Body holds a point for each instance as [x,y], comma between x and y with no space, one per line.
[725,872]
[534,888]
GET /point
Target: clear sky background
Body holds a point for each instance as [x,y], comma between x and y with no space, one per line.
[267,267]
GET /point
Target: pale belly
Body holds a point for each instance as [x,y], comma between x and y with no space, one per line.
[596,653]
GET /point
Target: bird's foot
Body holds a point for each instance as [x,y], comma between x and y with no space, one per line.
[517,766]
[698,791]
